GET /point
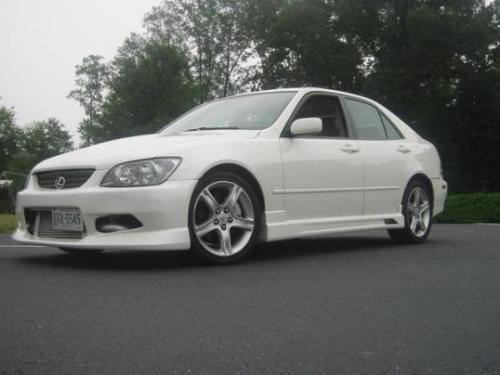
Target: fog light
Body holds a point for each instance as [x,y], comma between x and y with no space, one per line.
[115,223]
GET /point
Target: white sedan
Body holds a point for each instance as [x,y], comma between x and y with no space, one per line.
[261,166]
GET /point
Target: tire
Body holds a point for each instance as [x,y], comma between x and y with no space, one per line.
[225,218]
[417,212]
[84,253]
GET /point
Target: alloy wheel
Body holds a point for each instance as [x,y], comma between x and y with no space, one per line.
[223,218]
[418,211]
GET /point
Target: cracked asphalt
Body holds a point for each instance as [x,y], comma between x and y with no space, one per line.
[351,304]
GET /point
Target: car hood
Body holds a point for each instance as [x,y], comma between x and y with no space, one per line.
[108,154]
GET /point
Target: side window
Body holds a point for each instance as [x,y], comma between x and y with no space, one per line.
[328,109]
[390,128]
[367,121]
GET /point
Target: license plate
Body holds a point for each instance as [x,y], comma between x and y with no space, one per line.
[67,219]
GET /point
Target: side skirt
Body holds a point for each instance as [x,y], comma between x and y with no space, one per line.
[320,227]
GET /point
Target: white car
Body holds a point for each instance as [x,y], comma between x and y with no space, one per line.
[263,166]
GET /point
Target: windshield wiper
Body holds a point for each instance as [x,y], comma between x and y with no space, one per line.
[211,128]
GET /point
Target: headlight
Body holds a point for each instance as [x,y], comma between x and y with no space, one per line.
[141,172]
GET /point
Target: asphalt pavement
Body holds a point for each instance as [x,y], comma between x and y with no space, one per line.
[352,304]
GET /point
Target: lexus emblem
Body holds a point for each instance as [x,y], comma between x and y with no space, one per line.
[60,182]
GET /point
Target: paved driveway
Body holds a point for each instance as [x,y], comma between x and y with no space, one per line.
[355,304]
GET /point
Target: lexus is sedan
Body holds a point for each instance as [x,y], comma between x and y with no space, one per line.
[262,166]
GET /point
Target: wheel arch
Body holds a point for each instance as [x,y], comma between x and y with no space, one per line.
[242,172]
[424,179]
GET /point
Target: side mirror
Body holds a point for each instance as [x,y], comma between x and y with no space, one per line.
[307,126]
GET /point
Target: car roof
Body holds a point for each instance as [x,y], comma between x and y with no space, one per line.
[305,90]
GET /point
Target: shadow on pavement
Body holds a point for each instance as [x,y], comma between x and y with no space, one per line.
[310,247]
[171,260]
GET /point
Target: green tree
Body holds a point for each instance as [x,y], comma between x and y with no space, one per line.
[215,35]
[435,63]
[9,137]
[39,141]
[304,46]
[150,84]
[9,146]
[91,77]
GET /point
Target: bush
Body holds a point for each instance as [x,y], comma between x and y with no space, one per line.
[7,223]
[471,208]
[5,203]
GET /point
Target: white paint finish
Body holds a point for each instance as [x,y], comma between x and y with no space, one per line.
[384,164]
[325,226]
[261,157]
[161,209]
[320,163]
[311,185]
[106,155]
[440,188]
[170,239]
[306,126]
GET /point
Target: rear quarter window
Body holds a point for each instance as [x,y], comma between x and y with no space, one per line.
[390,128]
[366,120]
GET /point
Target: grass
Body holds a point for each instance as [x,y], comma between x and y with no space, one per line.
[7,223]
[471,208]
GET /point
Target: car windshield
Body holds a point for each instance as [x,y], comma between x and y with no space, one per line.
[253,112]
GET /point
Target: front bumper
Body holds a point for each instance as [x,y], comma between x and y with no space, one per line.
[163,211]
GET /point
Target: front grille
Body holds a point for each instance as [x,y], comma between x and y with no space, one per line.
[45,227]
[72,178]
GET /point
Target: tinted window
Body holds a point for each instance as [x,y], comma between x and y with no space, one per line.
[256,111]
[328,109]
[390,128]
[367,121]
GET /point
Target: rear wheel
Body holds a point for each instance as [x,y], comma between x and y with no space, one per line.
[224,218]
[417,211]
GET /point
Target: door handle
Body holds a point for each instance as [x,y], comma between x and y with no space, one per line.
[350,149]
[403,149]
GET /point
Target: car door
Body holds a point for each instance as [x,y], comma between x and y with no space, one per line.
[323,174]
[387,157]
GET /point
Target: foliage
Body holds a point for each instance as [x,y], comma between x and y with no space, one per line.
[149,85]
[5,201]
[435,63]
[214,34]
[39,141]
[91,76]
[306,47]
[9,137]
[22,148]
[471,208]
[8,223]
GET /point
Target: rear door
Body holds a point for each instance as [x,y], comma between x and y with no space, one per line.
[387,157]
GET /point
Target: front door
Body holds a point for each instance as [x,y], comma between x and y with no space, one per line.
[323,174]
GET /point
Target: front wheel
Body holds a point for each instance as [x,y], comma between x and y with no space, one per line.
[417,212]
[224,218]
